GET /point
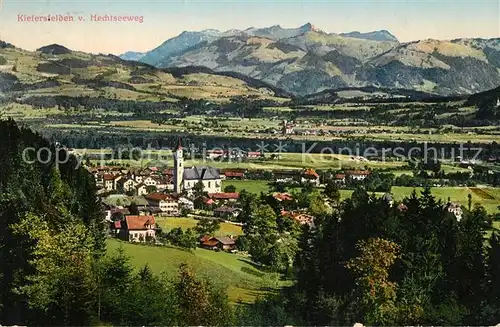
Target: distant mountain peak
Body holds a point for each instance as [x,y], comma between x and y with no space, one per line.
[132,55]
[308,27]
[54,49]
[380,35]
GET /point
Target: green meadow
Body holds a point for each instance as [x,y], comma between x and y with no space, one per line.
[243,280]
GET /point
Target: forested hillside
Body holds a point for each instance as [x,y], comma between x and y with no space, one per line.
[53,267]
[383,263]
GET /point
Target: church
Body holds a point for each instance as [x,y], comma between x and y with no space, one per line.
[186,178]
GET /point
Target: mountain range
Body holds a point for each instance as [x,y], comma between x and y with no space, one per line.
[307,60]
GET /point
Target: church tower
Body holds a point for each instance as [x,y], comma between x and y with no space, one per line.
[178,169]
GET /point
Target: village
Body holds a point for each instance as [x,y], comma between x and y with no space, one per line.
[134,199]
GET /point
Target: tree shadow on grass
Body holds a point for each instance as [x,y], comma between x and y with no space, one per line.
[255,265]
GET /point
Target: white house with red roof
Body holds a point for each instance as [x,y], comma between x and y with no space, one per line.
[138,228]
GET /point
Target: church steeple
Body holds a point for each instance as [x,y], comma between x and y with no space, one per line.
[178,168]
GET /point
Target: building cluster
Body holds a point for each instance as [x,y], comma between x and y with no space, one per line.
[294,176]
[179,179]
[356,175]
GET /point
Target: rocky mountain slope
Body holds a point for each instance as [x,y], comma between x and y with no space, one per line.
[306,60]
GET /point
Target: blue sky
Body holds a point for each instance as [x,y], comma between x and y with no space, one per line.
[408,20]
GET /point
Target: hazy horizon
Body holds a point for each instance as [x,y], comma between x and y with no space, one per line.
[408,20]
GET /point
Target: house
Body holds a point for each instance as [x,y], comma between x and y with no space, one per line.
[299,217]
[168,204]
[186,203]
[286,176]
[109,181]
[127,184]
[138,228]
[115,228]
[286,128]
[139,178]
[358,175]
[214,154]
[232,197]
[339,178]
[455,209]
[150,181]
[163,183]
[282,197]
[234,175]
[141,189]
[227,212]
[310,176]
[218,243]
[254,155]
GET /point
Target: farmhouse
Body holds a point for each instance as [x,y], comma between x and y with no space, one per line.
[230,197]
[218,243]
[310,176]
[168,204]
[234,175]
[339,178]
[286,176]
[358,174]
[138,228]
[227,212]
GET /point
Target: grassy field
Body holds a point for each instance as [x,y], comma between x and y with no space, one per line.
[286,161]
[243,280]
[185,223]
[248,185]
[490,200]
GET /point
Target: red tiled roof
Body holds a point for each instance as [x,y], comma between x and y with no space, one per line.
[339,176]
[139,222]
[159,197]
[205,238]
[311,172]
[254,153]
[224,196]
[297,216]
[282,197]
[108,177]
[233,174]
[118,224]
[234,170]
[211,242]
